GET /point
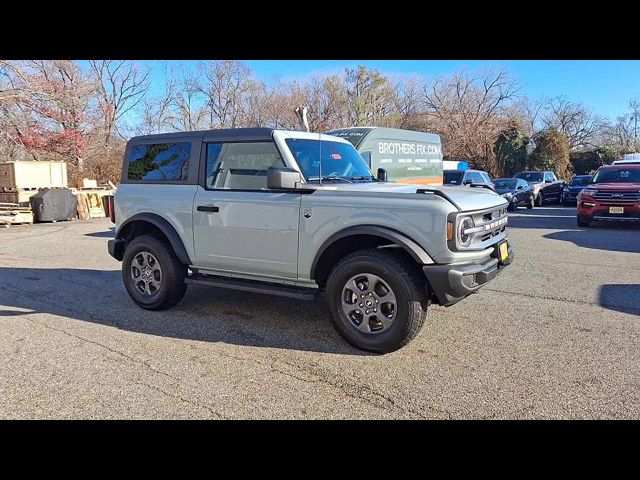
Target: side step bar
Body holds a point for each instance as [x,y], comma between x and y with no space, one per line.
[279,290]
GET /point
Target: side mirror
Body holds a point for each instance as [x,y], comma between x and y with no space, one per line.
[467,182]
[548,181]
[519,187]
[283,178]
[382,175]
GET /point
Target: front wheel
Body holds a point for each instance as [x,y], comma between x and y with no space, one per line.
[152,273]
[540,199]
[531,202]
[377,300]
[583,221]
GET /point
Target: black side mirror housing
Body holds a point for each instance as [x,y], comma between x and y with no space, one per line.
[519,187]
[283,178]
[382,175]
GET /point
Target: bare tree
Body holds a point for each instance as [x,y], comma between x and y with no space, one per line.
[580,125]
[121,86]
[469,111]
[369,95]
[227,86]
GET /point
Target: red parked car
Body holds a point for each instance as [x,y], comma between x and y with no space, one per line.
[612,195]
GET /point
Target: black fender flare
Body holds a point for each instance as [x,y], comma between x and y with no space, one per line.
[165,227]
[410,246]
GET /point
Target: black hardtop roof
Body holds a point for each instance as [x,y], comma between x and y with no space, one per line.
[221,134]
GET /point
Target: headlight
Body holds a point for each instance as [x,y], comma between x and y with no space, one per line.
[589,191]
[507,195]
[464,239]
[565,189]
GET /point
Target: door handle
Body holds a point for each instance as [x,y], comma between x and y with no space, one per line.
[207,208]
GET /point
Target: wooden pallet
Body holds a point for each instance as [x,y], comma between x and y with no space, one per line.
[13,214]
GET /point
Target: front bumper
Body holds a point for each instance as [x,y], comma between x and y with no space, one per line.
[592,208]
[451,283]
[116,248]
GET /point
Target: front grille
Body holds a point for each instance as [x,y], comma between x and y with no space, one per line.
[490,226]
[617,198]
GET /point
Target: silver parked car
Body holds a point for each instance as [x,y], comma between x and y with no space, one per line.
[295,214]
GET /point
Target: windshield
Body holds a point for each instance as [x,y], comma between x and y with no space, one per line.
[580,181]
[505,183]
[617,175]
[452,178]
[339,160]
[530,176]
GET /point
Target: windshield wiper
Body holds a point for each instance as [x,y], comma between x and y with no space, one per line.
[323,178]
[364,177]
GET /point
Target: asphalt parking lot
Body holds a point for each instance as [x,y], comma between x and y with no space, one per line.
[556,336]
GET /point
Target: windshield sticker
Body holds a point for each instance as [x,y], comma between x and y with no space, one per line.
[336,156]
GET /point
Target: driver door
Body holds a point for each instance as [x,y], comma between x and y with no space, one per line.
[238,225]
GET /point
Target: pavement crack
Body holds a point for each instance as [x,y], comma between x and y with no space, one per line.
[182,399]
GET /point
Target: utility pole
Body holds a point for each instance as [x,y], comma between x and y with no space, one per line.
[635,107]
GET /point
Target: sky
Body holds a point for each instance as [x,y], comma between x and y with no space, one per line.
[604,85]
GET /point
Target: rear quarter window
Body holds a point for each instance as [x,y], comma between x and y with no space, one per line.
[159,162]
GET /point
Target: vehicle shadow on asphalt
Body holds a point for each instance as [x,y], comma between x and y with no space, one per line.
[621,298]
[205,314]
[611,239]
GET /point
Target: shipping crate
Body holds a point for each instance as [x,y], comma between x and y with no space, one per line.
[19,197]
[32,174]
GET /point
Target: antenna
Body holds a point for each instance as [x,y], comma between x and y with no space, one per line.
[320,149]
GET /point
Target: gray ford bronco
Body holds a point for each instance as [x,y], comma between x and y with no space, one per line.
[295,214]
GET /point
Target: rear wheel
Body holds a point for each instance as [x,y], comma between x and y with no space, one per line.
[531,203]
[377,300]
[152,273]
[583,221]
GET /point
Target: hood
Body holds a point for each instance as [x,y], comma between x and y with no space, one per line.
[576,187]
[467,198]
[502,191]
[632,187]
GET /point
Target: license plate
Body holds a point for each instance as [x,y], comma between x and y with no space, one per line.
[616,209]
[503,251]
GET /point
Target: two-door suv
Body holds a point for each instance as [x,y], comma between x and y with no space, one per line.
[296,213]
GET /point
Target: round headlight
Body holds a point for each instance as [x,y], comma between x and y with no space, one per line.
[464,239]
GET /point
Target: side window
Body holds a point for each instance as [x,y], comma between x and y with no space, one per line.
[473,177]
[549,176]
[240,166]
[485,177]
[367,157]
[159,162]
[522,183]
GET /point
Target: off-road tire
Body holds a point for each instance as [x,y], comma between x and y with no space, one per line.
[408,284]
[172,286]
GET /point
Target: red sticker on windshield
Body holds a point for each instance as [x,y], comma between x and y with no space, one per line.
[336,156]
